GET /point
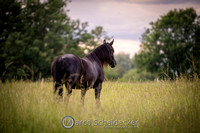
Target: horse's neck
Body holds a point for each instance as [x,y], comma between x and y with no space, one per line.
[93,57]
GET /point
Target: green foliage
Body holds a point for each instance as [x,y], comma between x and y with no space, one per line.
[172,44]
[134,75]
[9,14]
[124,64]
[112,73]
[35,32]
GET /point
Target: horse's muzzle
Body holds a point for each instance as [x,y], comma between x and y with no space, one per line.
[113,64]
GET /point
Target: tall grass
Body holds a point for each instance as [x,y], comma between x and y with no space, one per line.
[164,106]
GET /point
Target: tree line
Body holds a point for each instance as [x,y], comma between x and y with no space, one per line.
[34,32]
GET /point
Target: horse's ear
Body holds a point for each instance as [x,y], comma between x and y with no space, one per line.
[104,41]
[111,43]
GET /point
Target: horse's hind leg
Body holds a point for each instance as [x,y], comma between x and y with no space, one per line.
[83,92]
[69,90]
[58,86]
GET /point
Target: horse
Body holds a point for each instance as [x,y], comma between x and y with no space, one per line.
[82,73]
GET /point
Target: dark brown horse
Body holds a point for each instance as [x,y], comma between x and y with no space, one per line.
[82,73]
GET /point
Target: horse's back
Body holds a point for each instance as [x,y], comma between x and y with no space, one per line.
[65,66]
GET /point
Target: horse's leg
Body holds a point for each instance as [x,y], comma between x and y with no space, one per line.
[97,94]
[58,86]
[83,92]
[69,90]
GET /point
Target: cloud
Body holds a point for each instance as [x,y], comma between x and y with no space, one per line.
[165,1]
[125,19]
[144,1]
[126,46]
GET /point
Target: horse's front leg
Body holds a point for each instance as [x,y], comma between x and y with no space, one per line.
[83,92]
[97,94]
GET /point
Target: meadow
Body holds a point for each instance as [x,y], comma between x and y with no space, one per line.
[157,106]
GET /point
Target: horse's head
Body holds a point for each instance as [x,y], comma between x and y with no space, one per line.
[110,55]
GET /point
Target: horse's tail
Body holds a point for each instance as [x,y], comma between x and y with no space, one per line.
[59,69]
[56,70]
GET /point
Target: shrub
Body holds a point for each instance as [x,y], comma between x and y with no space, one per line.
[137,75]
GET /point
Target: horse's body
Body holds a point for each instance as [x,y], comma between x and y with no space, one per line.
[82,73]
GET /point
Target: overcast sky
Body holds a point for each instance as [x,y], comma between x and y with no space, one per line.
[125,20]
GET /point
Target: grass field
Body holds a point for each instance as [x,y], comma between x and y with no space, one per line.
[164,106]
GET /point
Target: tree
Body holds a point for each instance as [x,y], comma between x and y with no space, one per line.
[9,14]
[172,44]
[35,32]
[124,64]
[135,75]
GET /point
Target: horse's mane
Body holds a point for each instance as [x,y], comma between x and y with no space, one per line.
[101,52]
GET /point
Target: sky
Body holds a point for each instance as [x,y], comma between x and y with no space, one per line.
[125,20]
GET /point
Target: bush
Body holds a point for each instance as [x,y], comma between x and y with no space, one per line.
[111,73]
[137,75]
